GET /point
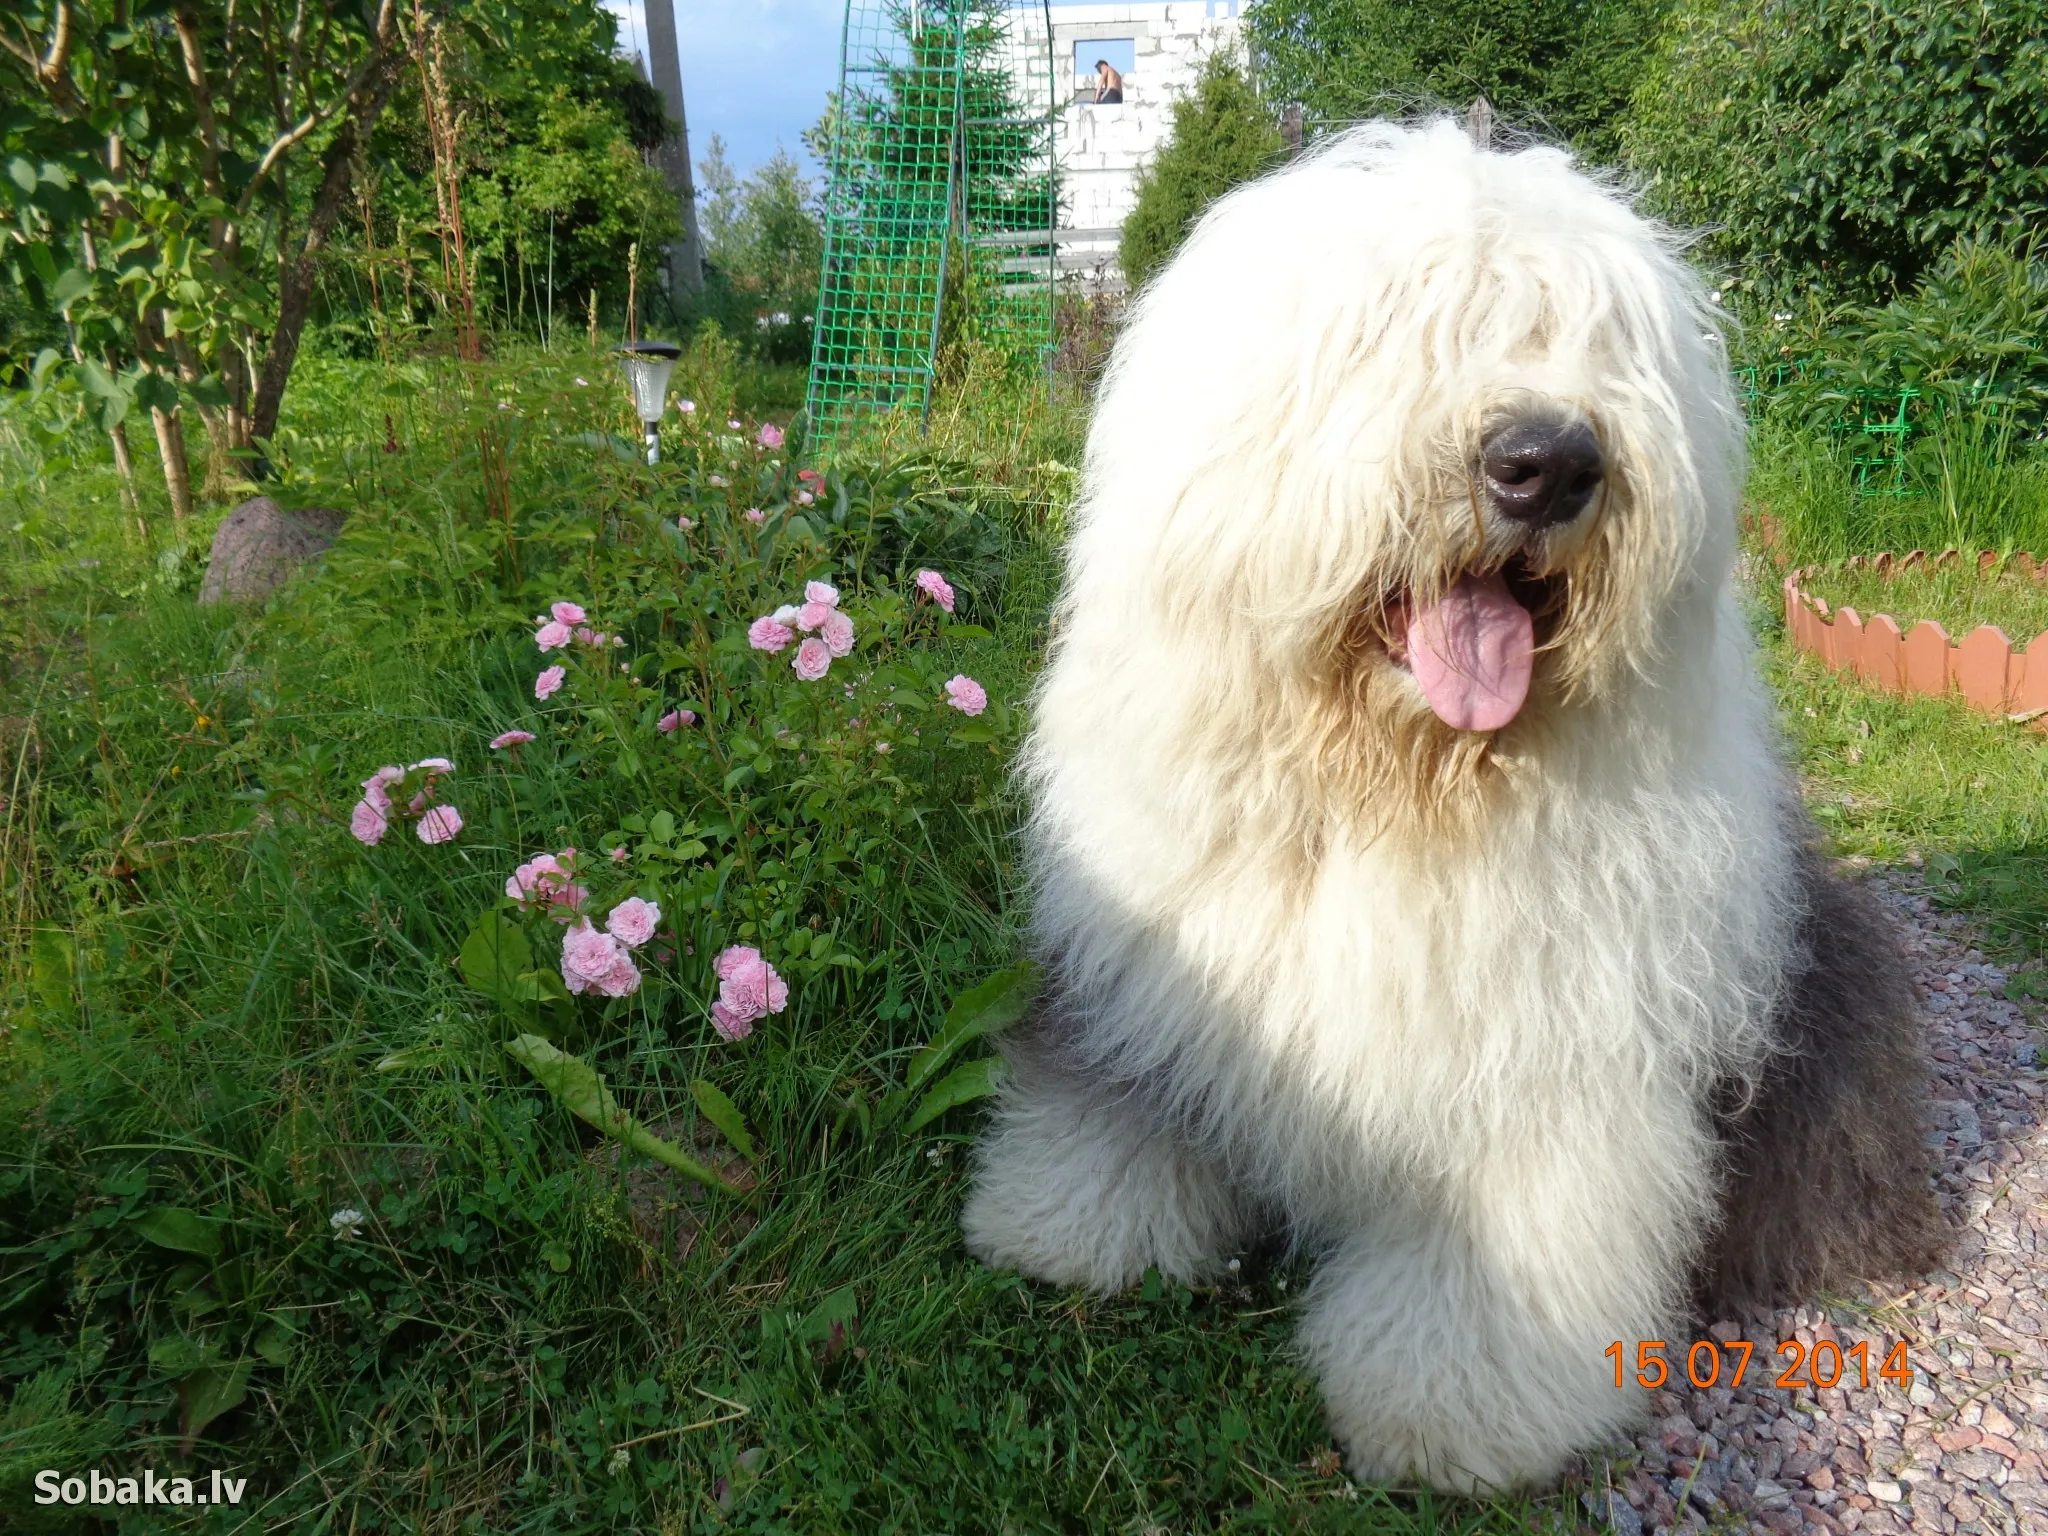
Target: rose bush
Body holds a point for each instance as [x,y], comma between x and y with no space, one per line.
[747,712]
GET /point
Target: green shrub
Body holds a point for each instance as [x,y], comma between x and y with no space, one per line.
[1221,134]
[1562,68]
[765,243]
[1845,146]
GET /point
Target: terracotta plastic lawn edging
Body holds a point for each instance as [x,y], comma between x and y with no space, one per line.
[1992,675]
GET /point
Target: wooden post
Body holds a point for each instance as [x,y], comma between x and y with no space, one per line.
[1479,122]
[665,71]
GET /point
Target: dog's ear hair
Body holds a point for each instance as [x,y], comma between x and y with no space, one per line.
[1479,122]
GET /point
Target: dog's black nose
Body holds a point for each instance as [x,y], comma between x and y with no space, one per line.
[1541,474]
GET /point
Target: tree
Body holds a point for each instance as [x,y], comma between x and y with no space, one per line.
[765,243]
[1561,68]
[1845,155]
[1221,134]
[153,177]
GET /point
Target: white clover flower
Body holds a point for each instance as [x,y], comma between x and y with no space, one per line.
[620,1460]
[346,1222]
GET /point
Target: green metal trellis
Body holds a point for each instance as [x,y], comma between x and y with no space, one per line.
[940,205]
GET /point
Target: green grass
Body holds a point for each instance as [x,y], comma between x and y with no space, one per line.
[1930,782]
[1958,598]
[224,1021]
[216,1004]
[1966,487]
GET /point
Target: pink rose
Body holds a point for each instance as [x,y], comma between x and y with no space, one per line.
[966,695]
[377,787]
[588,954]
[545,879]
[837,633]
[770,435]
[810,476]
[632,921]
[686,407]
[532,877]
[620,855]
[935,586]
[811,615]
[769,634]
[754,515]
[551,636]
[439,823]
[812,661]
[676,718]
[511,739]
[748,990]
[622,980]
[368,821]
[685,524]
[821,592]
[567,613]
[548,682]
[804,498]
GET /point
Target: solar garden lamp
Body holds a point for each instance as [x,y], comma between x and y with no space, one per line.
[648,365]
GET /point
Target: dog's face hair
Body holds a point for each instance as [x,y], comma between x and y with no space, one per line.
[1427,447]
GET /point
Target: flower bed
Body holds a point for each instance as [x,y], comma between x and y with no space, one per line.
[1992,673]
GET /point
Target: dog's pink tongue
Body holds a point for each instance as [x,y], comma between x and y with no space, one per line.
[1472,652]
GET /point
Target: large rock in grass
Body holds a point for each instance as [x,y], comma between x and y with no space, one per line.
[261,546]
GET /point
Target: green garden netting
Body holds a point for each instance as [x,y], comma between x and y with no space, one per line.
[940,203]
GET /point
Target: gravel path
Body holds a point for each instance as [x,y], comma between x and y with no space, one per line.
[1962,1449]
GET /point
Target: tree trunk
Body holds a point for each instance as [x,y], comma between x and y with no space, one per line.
[686,256]
[170,442]
[297,277]
[124,461]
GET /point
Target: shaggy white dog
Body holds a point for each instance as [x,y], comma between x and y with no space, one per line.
[1415,871]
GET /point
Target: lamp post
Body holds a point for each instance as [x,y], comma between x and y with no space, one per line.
[648,365]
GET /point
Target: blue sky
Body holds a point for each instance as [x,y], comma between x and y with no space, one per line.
[755,72]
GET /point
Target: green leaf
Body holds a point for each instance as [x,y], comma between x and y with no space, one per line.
[494,959]
[724,1114]
[182,1231]
[55,968]
[207,1394]
[995,1004]
[963,632]
[74,282]
[275,1344]
[579,1088]
[407,1059]
[976,1080]
[974,735]
[179,1356]
[22,172]
[99,381]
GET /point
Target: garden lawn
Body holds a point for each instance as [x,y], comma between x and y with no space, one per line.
[274,1197]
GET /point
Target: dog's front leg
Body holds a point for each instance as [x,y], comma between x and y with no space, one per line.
[1078,1184]
[1464,1337]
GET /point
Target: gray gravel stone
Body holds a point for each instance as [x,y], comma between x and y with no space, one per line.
[1957,1450]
